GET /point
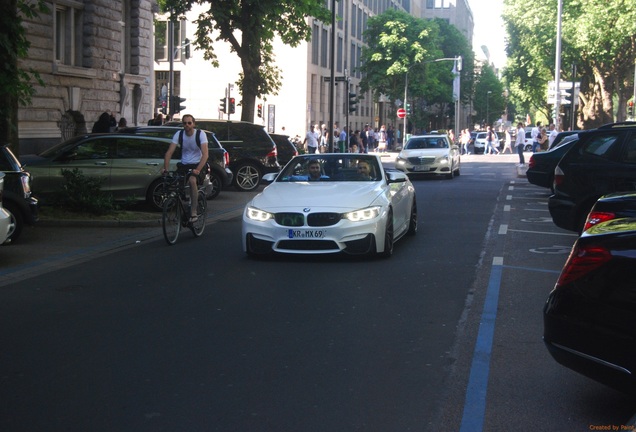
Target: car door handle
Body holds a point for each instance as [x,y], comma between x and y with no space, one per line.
[152,163]
[101,163]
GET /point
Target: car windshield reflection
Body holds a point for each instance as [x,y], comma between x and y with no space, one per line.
[332,168]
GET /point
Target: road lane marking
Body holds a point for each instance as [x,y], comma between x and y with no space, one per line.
[475,403]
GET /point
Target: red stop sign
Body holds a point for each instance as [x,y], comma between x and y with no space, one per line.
[401,113]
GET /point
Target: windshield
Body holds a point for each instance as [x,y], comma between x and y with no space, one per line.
[331,168]
[426,143]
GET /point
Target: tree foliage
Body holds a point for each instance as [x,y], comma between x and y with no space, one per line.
[250,28]
[398,43]
[598,37]
[15,82]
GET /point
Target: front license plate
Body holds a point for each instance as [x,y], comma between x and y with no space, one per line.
[421,168]
[306,234]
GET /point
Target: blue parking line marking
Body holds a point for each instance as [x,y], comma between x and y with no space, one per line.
[475,402]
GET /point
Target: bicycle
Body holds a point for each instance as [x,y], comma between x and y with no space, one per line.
[176,207]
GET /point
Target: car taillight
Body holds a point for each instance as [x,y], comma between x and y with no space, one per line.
[273,153]
[226,159]
[595,218]
[581,261]
[531,162]
[559,177]
[26,186]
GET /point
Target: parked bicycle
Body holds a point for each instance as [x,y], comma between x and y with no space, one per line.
[176,207]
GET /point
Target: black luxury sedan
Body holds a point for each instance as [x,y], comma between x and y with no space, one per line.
[589,315]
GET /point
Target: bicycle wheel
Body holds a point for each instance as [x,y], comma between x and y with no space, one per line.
[198,226]
[171,219]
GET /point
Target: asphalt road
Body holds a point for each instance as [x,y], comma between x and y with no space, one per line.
[110,329]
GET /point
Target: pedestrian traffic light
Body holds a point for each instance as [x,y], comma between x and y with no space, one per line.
[164,105]
[408,108]
[232,106]
[260,110]
[630,108]
[175,104]
[223,106]
[353,102]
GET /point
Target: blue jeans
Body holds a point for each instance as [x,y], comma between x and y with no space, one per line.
[520,147]
[535,146]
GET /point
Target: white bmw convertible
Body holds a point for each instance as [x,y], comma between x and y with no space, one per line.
[331,203]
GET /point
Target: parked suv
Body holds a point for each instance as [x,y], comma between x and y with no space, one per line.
[17,200]
[129,166]
[252,151]
[218,157]
[601,162]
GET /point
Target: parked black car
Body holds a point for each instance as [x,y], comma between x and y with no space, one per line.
[218,158]
[252,151]
[18,200]
[589,315]
[542,164]
[561,136]
[612,206]
[285,149]
[601,162]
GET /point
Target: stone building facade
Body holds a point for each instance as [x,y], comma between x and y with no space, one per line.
[92,56]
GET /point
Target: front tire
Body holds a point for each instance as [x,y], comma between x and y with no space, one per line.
[16,222]
[171,219]
[388,237]
[413,219]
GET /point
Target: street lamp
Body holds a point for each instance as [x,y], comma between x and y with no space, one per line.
[487,107]
[458,68]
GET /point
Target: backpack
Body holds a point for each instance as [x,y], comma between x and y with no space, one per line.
[196,137]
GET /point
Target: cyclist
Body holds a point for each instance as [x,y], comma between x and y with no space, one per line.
[194,156]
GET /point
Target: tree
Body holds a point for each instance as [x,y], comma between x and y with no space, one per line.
[14,82]
[489,100]
[398,43]
[599,37]
[257,23]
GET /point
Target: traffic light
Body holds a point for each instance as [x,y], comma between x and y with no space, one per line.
[175,104]
[408,108]
[630,108]
[232,106]
[260,110]
[352,102]
[223,106]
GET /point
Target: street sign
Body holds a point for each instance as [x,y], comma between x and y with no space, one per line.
[401,113]
[341,79]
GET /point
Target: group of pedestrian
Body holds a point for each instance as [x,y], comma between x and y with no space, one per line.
[380,140]
[107,123]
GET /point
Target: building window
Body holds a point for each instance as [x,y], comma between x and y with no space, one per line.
[339,55]
[315,44]
[68,34]
[161,40]
[324,48]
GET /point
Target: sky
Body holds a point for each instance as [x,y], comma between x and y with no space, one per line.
[489,30]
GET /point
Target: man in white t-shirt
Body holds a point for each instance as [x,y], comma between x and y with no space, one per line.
[553,134]
[520,143]
[194,157]
[311,139]
[535,137]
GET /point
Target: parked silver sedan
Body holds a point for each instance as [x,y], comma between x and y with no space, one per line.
[429,154]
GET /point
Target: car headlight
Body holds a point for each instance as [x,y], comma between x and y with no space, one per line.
[362,214]
[443,160]
[400,161]
[258,215]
